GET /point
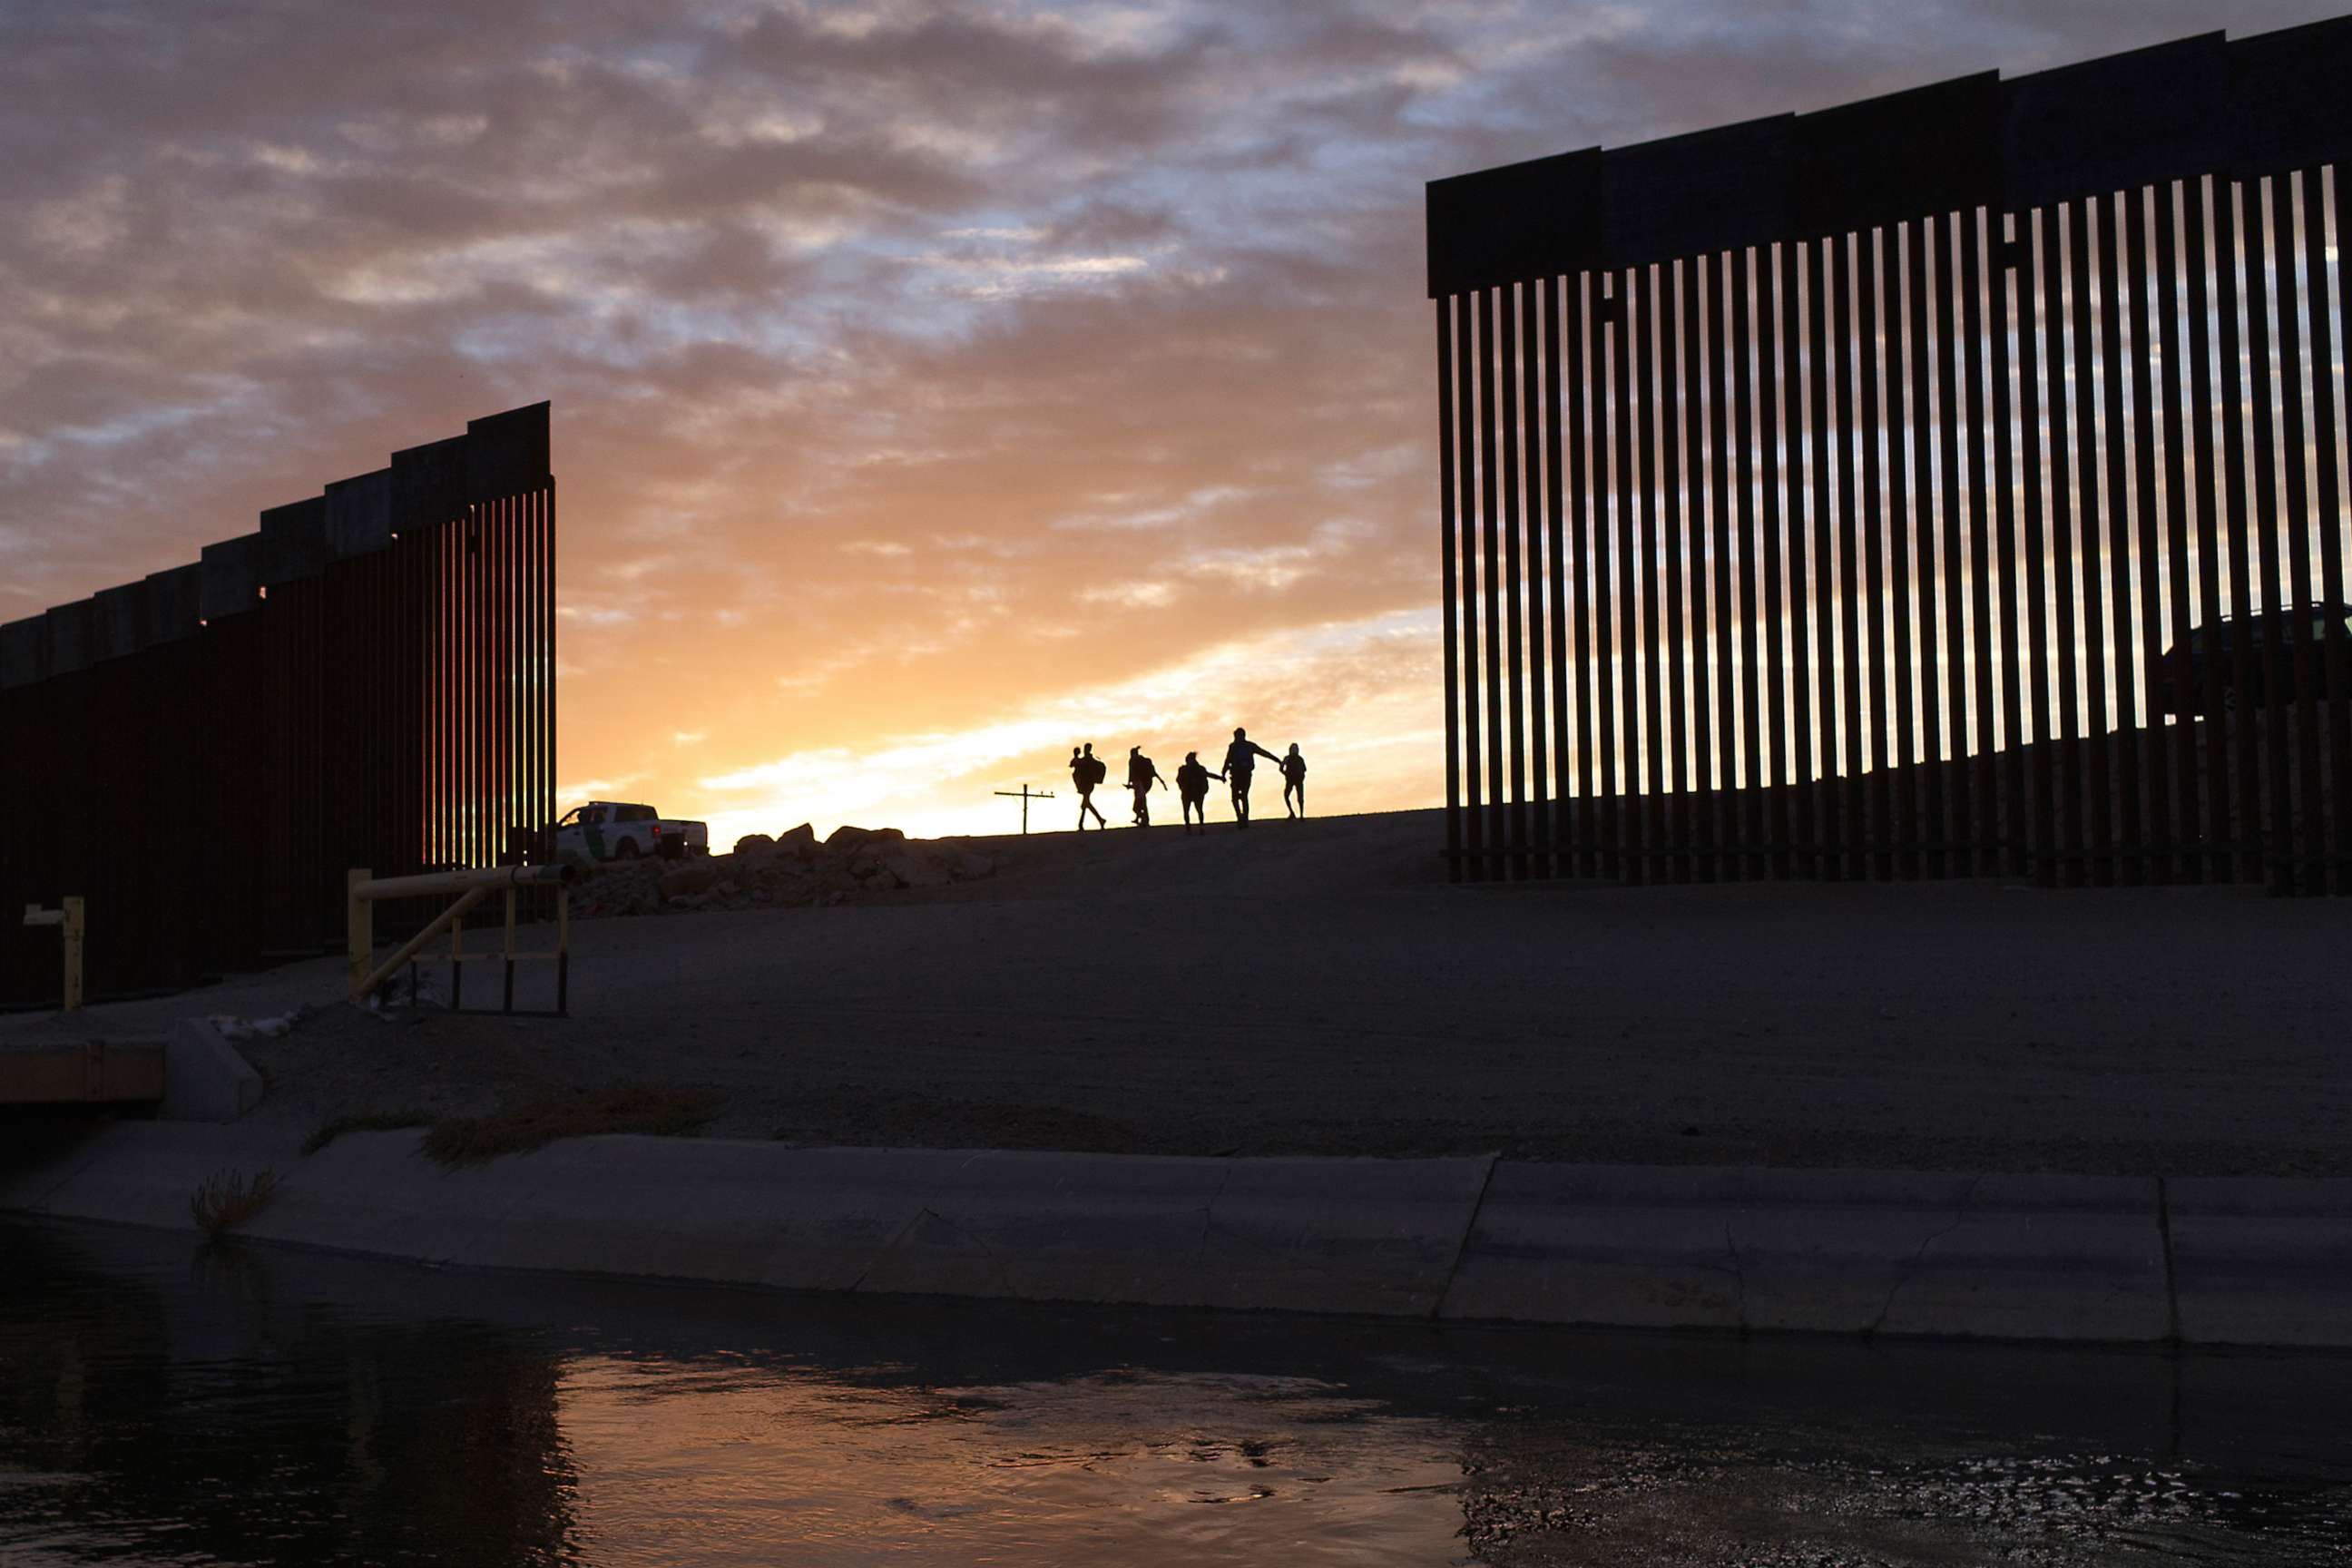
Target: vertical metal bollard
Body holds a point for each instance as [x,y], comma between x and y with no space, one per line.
[358,930]
[562,952]
[73,908]
[509,1004]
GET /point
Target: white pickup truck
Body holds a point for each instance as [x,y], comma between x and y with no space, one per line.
[616,830]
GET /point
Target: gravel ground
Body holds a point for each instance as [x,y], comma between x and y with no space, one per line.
[1316,987]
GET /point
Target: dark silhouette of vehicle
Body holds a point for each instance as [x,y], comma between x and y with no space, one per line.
[2181,689]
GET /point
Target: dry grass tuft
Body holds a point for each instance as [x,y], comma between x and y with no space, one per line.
[628,1108]
[364,1121]
[225,1200]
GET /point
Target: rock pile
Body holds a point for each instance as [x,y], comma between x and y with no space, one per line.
[789,869]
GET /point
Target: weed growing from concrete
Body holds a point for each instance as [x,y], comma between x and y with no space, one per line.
[225,1200]
[627,1107]
[364,1121]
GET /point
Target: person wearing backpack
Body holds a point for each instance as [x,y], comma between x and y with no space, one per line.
[1086,772]
[1142,774]
[1192,789]
[1294,780]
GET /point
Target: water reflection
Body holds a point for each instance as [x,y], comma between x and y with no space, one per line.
[205,1416]
[1110,1468]
[161,1401]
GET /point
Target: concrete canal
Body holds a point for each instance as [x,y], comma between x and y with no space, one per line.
[167,1402]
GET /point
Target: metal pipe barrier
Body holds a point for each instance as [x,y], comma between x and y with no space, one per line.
[363,890]
[70,916]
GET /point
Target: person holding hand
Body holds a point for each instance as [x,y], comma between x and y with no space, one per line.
[1241,760]
[1192,789]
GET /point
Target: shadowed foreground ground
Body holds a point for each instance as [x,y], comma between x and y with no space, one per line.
[1316,988]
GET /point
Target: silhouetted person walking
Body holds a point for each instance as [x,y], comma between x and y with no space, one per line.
[1294,780]
[1142,773]
[1086,772]
[1241,760]
[1192,789]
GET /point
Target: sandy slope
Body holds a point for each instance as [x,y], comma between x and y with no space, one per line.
[1318,987]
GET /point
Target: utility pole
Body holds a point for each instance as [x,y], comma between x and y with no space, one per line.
[1026,794]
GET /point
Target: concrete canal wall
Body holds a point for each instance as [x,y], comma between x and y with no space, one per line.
[2037,1257]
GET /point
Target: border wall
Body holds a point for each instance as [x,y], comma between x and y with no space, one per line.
[1822,495]
[368,679]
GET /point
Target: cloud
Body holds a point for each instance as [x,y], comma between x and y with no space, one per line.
[1146,595]
[925,375]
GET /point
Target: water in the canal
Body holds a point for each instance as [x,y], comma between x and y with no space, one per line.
[164,1402]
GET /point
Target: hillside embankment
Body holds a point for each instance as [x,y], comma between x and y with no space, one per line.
[1316,987]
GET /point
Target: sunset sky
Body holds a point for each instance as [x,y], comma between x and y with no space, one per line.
[934,386]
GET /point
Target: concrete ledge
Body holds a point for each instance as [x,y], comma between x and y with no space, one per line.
[82,1072]
[1333,1235]
[1906,1253]
[1368,1236]
[373,1193]
[204,1077]
[2262,1262]
[2041,1258]
[2010,1257]
[746,1213]
[144,1173]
